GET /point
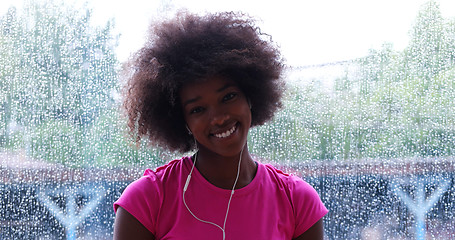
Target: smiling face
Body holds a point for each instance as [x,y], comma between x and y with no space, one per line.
[217,113]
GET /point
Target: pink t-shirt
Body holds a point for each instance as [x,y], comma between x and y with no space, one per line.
[274,205]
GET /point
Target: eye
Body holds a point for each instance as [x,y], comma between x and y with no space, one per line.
[196,110]
[229,96]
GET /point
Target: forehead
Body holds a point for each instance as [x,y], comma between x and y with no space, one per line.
[207,86]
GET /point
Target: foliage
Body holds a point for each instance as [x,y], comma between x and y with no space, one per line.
[58,82]
[58,141]
[389,104]
[59,85]
[110,144]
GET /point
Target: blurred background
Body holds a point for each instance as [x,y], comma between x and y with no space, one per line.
[369,115]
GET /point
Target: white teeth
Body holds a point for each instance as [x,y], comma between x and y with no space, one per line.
[225,134]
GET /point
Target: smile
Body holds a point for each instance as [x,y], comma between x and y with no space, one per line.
[227,133]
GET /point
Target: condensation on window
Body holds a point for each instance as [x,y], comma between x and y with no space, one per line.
[374,135]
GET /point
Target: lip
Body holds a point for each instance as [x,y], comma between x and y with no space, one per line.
[225,132]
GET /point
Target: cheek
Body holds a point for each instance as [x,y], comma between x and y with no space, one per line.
[250,118]
[248,114]
[196,125]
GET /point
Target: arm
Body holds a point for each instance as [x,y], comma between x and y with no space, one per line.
[315,232]
[128,227]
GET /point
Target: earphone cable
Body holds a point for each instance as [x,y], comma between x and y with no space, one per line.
[230,197]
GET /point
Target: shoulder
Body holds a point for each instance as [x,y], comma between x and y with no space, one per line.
[143,197]
[284,179]
[154,179]
[296,186]
[169,170]
[306,203]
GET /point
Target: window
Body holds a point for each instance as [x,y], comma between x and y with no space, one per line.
[369,116]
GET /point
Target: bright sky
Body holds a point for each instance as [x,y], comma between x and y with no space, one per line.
[309,32]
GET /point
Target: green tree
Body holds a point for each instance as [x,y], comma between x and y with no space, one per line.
[405,95]
[389,104]
[58,83]
[9,61]
[430,49]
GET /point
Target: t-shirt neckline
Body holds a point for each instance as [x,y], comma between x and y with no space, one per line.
[197,176]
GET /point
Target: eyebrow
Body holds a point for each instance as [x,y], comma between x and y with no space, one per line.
[228,85]
[190,101]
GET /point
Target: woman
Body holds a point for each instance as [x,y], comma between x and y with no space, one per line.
[200,83]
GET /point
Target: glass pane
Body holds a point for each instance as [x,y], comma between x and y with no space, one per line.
[368,116]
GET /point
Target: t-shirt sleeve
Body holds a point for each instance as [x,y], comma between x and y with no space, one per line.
[142,199]
[308,207]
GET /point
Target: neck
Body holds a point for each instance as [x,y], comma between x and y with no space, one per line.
[221,171]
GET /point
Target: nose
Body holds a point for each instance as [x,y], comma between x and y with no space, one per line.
[219,117]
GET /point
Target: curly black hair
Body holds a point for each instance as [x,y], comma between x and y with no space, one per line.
[191,48]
